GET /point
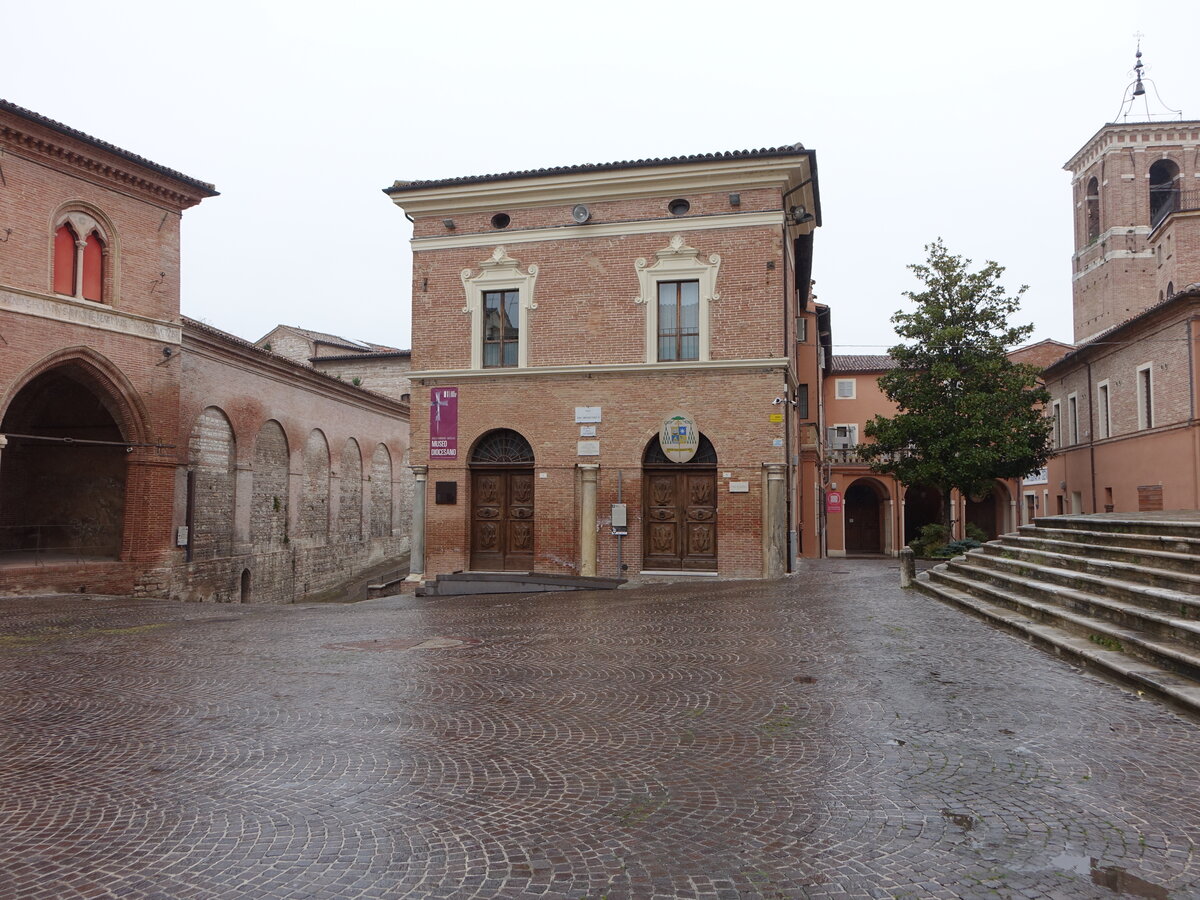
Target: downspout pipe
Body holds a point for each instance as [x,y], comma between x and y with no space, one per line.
[1091,437]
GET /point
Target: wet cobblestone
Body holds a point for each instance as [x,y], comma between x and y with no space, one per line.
[827,735]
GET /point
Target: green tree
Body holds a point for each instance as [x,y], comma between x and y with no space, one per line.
[966,414]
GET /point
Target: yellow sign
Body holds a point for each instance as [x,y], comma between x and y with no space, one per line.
[776,417]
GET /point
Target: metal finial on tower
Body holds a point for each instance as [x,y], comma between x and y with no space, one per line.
[1137,88]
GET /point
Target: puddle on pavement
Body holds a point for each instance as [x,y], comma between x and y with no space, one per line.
[805,679]
[963,820]
[1114,878]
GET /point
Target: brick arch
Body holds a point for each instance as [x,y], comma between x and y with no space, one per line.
[350,503]
[110,384]
[314,501]
[269,489]
[212,456]
[381,492]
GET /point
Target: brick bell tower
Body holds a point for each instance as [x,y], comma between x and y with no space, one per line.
[1136,190]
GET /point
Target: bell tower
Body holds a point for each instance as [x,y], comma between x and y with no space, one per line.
[1136,190]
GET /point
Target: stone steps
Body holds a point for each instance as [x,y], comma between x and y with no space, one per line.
[458,584]
[1120,594]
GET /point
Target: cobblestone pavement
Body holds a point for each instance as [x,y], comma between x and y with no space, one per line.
[827,735]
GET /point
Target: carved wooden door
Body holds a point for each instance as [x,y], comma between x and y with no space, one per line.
[502,520]
[680,520]
[862,515]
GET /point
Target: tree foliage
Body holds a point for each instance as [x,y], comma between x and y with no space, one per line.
[966,414]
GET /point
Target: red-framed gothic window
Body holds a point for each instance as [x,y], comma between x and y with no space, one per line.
[80,257]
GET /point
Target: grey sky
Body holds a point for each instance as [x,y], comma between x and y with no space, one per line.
[928,119]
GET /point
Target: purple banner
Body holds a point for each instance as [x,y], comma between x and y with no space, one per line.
[443,423]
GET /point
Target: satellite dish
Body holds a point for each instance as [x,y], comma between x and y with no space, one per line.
[580,214]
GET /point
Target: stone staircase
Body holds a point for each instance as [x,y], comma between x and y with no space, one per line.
[461,583]
[1117,592]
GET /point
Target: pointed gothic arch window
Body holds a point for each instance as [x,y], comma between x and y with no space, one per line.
[80,264]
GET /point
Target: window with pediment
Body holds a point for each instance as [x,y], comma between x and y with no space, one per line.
[499,299]
[677,290]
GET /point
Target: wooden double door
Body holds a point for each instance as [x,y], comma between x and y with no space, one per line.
[680,512]
[502,520]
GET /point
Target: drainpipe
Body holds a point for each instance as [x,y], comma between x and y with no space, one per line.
[1091,438]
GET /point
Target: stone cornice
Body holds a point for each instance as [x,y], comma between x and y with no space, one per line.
[87,314]
[770,218]
[609,184]
[39,143]
[725,366]
[1097,143]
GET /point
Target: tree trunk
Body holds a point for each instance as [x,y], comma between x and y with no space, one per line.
[947,511]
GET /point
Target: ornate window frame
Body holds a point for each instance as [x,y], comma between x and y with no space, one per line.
[85,220]
[677,262]
[499,273]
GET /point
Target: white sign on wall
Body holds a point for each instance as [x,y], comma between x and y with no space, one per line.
[587,414]
[589,448]
[587,430]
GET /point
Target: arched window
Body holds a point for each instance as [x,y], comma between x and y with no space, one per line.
[65,240]
[93,268]
[1092,203]
[1170,289]
[502,447]
[80,257]
[1164,190]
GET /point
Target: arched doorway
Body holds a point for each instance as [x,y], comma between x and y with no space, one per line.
[679,503]
[502,502]
[63,477]
[922,506]
[863,510]
[244,593]
[990,514]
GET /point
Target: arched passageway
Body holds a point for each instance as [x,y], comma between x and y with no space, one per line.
[866,530]
[922,506]
[63,474]
[990,514]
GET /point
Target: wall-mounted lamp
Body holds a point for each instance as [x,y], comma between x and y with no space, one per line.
[167,351]
[449,223]
[798,215]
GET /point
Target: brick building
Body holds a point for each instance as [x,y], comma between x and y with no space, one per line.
[376,367]
[137,448]
[1124,403]
[564,318]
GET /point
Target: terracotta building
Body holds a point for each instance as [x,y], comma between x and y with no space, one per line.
[875,513]
[1124,403]
[143,453]
[564,319]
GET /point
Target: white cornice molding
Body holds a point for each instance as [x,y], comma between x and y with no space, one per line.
[772,218]
[88,314]
[606,184]
[712,365]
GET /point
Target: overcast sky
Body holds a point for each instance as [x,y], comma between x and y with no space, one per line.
[928,119]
